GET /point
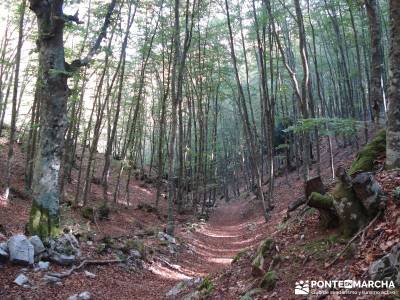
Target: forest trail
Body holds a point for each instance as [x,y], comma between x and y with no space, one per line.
[224,235]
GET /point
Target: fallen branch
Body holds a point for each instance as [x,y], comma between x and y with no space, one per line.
[362,231]
[85,263]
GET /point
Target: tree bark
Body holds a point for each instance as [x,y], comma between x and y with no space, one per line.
[393,125]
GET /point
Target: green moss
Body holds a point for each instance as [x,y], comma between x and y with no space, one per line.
[320,201]
[366,157]
[206,287]
[41,223]
[342,191]
[269,280]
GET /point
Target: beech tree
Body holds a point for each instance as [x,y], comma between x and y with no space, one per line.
[53,94]
[393,129]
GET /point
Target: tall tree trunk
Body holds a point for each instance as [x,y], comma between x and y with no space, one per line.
[53,93]
[376,95]
[393,125]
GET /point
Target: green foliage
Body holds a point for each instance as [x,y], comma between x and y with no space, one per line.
[269,281]
[326,126]
[206,287]
[365,160]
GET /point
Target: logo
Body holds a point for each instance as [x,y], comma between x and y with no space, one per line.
[302,288]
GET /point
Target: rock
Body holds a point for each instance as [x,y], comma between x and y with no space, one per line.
[135,254]
[181,286]
[3,255]
[82,296]
[37,245]
[257,266]
[85,296]
[21,280]
[43,265]
[66,244]
[62,259]
[166,237]
[21,250]
[51,279]
[196,295]
[89,274]
[369,192]
[176,290]
[386,268]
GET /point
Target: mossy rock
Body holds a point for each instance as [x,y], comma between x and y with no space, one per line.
[135,244]
[265,247]
[269,281]
[366,157]
[88,213]
[257,266]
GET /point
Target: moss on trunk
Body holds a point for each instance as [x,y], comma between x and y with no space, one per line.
[367,156]
[319,201]
[41,223]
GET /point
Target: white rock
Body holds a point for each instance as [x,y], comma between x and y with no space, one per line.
[43,265]
[21,280]
[82,296]
[85,296]
[21,250]
[89,274]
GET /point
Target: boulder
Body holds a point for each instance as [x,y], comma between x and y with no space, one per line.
[21,280]
[21,251]
[369,192]
[66,244]
[37,245]
[63,259]
[264,249]
[387,267]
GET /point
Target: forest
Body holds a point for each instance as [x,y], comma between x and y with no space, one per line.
[200,149]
